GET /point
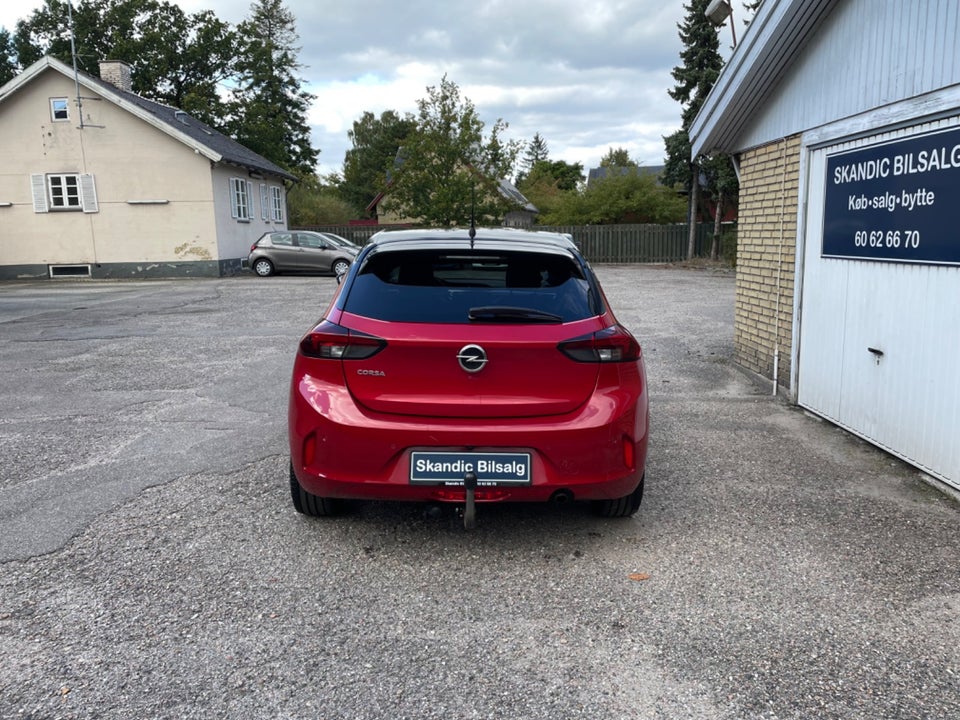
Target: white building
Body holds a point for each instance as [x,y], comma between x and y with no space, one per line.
[96,181]
[844,119]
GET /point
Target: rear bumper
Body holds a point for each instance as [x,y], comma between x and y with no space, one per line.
[341,450]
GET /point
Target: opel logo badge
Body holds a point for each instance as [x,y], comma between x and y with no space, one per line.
[472,358]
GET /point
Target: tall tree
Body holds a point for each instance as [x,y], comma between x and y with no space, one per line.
[448,170]
[47,32]
[175,58]
[618,157]
[367,164]
[549,182]
[8,63]
[722,183]
[701,61]
[535,152]
[568,176]
[676,168]
[184,60]
[701,65]
[269,105]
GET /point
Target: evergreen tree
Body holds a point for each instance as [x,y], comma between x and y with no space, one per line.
[269,106]
[676,168]
[701,61]
[701,65]
[695,77]
[536,152]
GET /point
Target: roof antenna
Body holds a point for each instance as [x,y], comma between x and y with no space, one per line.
[473,209]
[73,55]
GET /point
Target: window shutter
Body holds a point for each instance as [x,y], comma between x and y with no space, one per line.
[250,214]
[278,204]
[233,197]
[264,202]
[38,185]
[88,194]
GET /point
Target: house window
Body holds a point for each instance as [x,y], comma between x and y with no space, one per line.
[59,109]
[240,192]
[276,205]
[64,192]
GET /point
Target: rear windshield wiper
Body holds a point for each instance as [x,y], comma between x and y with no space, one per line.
[497,313]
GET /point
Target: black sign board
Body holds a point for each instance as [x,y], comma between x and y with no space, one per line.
[896,202]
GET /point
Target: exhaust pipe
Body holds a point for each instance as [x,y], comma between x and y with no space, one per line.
[562,497]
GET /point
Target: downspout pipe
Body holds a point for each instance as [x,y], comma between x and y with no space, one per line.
[776,329]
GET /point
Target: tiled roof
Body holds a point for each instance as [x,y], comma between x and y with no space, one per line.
[174,122]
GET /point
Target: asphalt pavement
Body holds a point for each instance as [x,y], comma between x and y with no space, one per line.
[152,566]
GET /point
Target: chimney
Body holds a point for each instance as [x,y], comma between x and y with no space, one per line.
[116,72]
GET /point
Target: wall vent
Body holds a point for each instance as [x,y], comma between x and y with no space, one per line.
[69,271]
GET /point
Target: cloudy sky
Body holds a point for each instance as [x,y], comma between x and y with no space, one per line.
[586,75]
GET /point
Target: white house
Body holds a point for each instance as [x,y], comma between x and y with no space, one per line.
[96,181]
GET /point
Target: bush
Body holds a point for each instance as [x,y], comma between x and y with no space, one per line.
[728,245]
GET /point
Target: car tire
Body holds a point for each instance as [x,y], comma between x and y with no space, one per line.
[340,267]
[622,507]
[263,267]
[310,504]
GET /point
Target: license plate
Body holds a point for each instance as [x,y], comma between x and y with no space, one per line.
[448,468]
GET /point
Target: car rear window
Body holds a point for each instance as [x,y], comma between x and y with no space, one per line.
[444,286]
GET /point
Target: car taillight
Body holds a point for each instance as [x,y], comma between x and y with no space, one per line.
[309,449]
[334,342]
[253,247]
[629,453]
[613,344]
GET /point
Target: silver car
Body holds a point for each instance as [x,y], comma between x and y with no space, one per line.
[341,240]
[299,251]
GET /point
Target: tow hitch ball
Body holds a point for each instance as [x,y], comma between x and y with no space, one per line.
[470,506]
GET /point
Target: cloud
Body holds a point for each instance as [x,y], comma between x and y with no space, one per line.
[586,75]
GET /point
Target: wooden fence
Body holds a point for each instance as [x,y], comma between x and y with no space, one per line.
[599,243]
[638,243]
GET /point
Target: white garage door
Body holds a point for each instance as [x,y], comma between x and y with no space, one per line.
[879,349]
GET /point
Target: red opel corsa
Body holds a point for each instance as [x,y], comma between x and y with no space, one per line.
[468,370]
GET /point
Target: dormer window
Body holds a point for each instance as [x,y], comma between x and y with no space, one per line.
[59,109]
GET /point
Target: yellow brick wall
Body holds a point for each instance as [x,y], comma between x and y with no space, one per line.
[766,253]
